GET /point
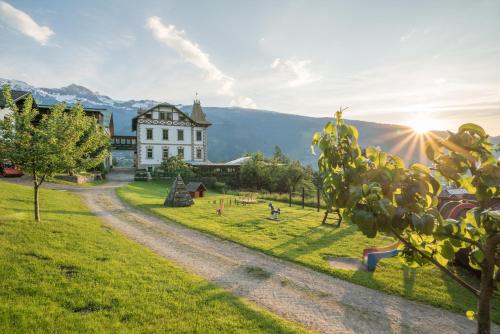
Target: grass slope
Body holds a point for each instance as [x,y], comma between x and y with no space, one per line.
[71,273]
[299,237]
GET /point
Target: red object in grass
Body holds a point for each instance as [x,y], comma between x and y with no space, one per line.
[9,170]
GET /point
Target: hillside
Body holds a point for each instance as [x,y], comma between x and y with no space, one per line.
[236,131]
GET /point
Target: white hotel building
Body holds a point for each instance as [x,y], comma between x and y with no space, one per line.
[163,131]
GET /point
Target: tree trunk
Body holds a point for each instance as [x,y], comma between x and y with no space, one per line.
[303,197]
[37,207]
[317,199]
[487,287]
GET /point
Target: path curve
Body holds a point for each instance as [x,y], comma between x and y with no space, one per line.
[315,300]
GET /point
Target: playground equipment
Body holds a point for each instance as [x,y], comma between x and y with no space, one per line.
[461,209]
[372,255]
[275,214]
[220,210]
[247,198]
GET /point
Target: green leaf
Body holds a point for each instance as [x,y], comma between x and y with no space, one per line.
[366,222]
[447,250]
[330,128]
[421,168]
[474,128]
[355,133]
[441,259]
[429,151]
[471,315]
[316,138]
[365,189]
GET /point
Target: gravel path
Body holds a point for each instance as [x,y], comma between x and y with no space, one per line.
[315,300]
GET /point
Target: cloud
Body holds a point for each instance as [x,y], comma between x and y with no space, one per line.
[243,102]
[413,33]
[298,69]
[190,51]
[23,23]
[440,81]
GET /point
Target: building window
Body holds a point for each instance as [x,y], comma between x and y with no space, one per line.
[148,116]
[180,135]
[161,115]
[150,169]
[149,153]
[170,116]
[180,152]
[198,153]
[182,117]
[165,134]
[198,135]
[165,152]
[149,133]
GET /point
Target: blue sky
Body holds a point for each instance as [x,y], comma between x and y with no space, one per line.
[389,61]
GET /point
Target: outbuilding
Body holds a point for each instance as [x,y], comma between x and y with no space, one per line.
[196,189]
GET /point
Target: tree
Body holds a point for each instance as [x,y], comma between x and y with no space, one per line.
[175,165]
[339,164]
[57,142]
[294,174]
[467,159]
[279,156]
[392,199]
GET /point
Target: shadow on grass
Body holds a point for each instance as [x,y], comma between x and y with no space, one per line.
[315,239]
[58,212]
[270,324]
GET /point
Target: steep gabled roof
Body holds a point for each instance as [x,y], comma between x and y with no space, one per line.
[164,104]
[195,186]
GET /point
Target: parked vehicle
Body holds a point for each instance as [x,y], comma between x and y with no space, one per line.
[8,169]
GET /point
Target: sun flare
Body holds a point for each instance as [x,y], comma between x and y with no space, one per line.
[423,123]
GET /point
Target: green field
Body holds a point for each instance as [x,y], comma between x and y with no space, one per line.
[299,237]
[72,273]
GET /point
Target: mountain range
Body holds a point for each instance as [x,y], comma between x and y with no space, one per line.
[235,131]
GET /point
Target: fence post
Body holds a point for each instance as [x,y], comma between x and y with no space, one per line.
[317,198]
[303,197]
[290,199]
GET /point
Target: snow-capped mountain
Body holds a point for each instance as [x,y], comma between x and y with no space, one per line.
[123,111]
[235,130]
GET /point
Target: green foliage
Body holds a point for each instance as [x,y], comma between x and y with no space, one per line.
[261,173]
[58,142]
[279,156]
[379,194]
[340,165]
[174,165]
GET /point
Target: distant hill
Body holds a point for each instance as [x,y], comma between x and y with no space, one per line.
[236,131]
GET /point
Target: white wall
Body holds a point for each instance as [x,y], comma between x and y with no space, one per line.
[190,144]
[4,112]
[158,134]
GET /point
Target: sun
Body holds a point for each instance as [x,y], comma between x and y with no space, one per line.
[423,123]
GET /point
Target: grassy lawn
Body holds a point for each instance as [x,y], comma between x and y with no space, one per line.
[71,273]
[299,237]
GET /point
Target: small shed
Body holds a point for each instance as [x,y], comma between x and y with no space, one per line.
[196,189]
